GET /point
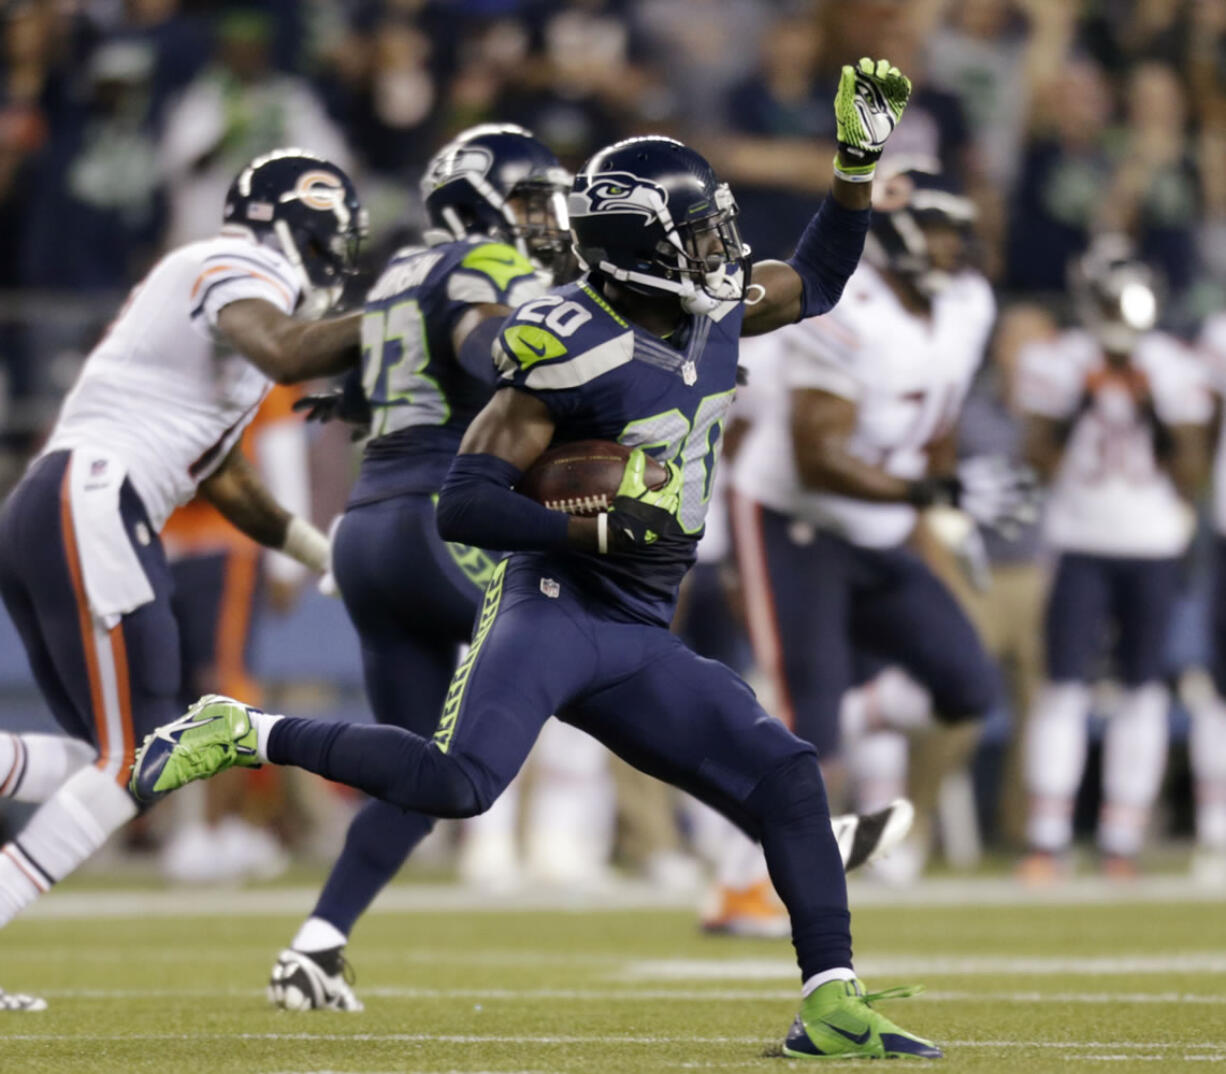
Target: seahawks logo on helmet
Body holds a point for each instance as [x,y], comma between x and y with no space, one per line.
[620,192]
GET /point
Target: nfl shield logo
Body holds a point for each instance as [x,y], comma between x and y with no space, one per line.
[97,468]
[550,588]
[689,373]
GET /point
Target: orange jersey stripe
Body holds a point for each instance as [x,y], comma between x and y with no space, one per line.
[289,298]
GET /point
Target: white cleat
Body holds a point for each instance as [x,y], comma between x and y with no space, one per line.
[865,837]
[319,981]
[19,1001]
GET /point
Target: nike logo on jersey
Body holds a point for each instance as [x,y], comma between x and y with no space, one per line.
[538,351]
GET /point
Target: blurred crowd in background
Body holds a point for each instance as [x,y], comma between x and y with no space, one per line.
[123,121]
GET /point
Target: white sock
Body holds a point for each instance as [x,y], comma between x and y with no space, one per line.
[1207,752]
[877,765]
[842,973]
[1134,758]
[741,864]
[854,715]
[263,722]
[1055,755]
[65,830]
[33,767]
[899,701]
[316,934]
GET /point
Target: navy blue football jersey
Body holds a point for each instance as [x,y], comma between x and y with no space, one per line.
[603,378]
[421,398]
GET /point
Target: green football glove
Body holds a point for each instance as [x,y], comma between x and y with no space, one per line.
[867,107]
[640,516]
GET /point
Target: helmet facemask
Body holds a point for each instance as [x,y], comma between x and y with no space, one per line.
[324,259]
[540,227]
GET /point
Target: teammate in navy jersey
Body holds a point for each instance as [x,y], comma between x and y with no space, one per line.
[495,199]
[574,622]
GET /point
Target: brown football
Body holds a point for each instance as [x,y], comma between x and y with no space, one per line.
[581,478]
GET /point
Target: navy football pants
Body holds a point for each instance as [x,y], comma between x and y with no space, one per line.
[106,686]
[820,609]
[542,646]
[413,600]
[1109,603]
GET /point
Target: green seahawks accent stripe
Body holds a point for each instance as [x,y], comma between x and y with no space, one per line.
[530,344]
[500,262]
[455,693]
[476,564]
[603,304]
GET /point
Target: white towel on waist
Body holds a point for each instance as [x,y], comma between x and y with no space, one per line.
[115,583]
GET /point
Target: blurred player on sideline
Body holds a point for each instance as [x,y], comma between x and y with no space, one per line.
[154,419]
[1117,417]
[1204,697]
[220,577]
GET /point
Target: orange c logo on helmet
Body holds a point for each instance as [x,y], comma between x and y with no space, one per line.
[319,189]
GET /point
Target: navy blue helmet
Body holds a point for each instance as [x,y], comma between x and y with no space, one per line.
[498,180]
[308,208]
[907,196]
[650,213]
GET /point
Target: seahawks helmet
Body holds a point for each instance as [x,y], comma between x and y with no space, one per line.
[650,213]
[498,180]
[906,197]
[306,207]
[1116,297]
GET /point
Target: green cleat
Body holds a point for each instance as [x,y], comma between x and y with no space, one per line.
[837,1021]
[216,733]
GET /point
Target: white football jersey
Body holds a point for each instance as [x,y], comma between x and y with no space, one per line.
[1213,344]
[1109,496]
[908,376]
[160,390]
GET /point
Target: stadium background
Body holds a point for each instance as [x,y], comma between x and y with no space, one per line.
[122,121]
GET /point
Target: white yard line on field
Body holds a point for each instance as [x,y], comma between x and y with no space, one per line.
[1208,1049]
[633,994]
[750,969]
[621,895]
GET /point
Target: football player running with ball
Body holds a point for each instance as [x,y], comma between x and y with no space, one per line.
[642,350]
[154,419]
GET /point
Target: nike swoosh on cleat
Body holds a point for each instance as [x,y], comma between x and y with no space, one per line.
[855,1038]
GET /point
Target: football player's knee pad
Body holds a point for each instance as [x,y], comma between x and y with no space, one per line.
[794,791]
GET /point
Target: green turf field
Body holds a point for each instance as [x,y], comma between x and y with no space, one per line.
[1130,986]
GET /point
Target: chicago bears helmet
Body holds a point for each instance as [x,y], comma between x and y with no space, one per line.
[500,181]
[908,197]
[1116,297]
[308,208]
[650,213]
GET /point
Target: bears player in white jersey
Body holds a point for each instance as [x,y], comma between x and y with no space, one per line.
[1116,420]
[1207,742]
[154,419]
[829,485]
